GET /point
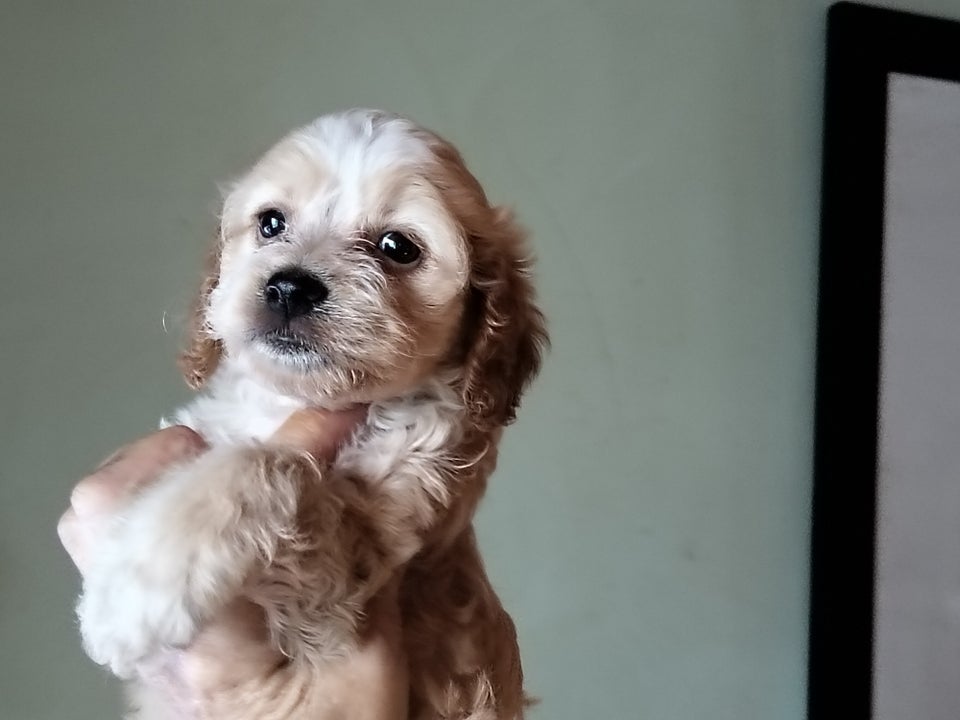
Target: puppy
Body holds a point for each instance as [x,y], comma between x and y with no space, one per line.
[359,261]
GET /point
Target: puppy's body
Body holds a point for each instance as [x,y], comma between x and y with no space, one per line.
[359,262]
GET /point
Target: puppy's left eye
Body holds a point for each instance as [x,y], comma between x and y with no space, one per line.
[398,247]
[272,223]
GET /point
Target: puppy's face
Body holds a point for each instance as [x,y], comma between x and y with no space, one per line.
[358,257]
[343,268]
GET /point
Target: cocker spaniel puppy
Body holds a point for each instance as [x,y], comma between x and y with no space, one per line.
[359,261]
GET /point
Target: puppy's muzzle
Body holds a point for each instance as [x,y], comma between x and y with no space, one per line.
[292,293]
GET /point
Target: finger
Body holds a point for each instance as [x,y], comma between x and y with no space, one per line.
[77,535]
[320,432]
[133,466]
[71,533]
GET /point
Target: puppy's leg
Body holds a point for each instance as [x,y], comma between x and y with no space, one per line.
[462,645]
[310,548]
[184,547]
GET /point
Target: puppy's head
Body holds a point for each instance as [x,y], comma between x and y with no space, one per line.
[357,258]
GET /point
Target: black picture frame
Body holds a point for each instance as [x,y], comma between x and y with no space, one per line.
[864,46]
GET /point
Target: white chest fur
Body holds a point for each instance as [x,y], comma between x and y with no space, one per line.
[406,438]
[235,410]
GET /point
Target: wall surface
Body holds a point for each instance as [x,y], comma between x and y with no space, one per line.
[649,524]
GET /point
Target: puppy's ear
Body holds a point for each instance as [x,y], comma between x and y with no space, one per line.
[506,334]
[202,353]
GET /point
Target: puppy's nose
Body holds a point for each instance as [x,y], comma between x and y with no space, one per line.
[293,293]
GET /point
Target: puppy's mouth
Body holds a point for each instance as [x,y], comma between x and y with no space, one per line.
[285,342]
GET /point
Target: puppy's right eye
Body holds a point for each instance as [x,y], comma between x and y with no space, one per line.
[398,248]
[272,223]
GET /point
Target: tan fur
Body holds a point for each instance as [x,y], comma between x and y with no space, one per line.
[200,358]
[326,550]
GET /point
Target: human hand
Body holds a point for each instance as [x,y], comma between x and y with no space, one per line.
[232,652]
[138,464]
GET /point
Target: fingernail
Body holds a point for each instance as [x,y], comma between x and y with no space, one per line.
[67,528]
[71,534]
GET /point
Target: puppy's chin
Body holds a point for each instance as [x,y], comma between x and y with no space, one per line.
[296,368]
[289,349]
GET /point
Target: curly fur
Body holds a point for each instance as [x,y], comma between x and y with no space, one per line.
[441,353]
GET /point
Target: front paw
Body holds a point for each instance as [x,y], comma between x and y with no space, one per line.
[131,607]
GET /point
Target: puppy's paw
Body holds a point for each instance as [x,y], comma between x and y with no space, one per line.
[132,606]
[176,555]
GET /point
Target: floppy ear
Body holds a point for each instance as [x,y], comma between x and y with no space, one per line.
[202,353]
[506,331]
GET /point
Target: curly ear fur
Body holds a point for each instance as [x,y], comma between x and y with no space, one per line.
[202,353]
[506,331]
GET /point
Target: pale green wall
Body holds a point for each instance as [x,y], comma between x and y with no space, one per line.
[649,526]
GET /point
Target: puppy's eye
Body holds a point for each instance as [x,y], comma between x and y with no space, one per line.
[272,223]
[398,247]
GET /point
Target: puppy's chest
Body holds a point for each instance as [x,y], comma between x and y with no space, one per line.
[410,436]
[378,449]
[236,416]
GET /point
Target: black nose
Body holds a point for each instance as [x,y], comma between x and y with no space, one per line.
[293,293]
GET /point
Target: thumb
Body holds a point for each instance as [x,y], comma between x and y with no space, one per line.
[320,432]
